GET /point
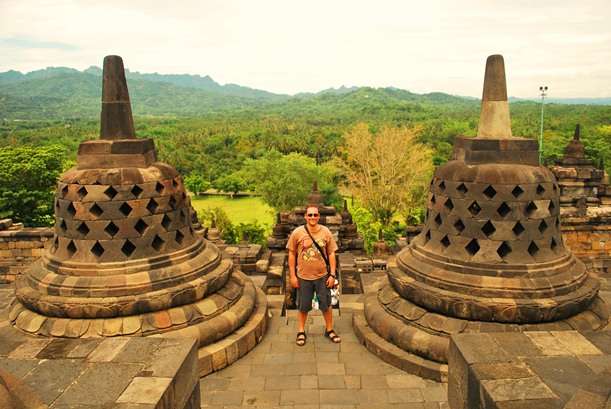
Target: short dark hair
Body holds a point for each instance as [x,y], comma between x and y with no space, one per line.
[314,206]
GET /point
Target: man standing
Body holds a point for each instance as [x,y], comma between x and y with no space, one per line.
[311,275]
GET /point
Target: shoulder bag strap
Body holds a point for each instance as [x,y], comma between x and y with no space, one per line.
[322,253]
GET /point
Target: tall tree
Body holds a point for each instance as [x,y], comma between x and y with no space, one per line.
[27,180]
[284,181]
[386,170]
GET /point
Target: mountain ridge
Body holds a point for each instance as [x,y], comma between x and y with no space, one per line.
[64,93]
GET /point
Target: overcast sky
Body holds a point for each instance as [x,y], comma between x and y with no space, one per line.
[293,46]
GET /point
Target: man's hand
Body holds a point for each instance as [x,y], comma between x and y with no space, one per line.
[294,282]
[330,281]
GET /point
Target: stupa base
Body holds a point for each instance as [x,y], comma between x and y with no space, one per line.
[417,341]
[226,324]
[394,355]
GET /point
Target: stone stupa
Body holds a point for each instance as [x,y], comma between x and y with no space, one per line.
[125,259]
[490,257]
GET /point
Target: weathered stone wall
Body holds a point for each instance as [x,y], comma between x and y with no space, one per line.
[535,369]
[588,242]
[19,247]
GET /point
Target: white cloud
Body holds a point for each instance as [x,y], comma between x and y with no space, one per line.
[284,46]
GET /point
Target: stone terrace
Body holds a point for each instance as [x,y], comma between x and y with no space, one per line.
[278,373]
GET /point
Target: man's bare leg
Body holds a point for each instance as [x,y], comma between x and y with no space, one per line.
[301,320]
[329,332]
[328,315]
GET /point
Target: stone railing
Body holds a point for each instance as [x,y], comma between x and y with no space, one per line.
[19,247]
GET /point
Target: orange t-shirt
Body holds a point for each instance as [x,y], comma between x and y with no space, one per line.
[310,264]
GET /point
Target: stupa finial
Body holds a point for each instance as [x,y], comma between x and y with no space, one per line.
[577,133]
[494,121]
[116,120]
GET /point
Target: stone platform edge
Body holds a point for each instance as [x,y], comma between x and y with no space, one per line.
[394,355]
[225,352]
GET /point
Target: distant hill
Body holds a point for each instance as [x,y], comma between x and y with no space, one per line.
[568,101]
[77,95]
[66,93]
[198,82]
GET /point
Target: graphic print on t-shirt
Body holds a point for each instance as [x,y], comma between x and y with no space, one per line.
[312,252]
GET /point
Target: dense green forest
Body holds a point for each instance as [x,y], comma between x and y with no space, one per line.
[209,131]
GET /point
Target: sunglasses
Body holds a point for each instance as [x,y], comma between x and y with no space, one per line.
[313,215]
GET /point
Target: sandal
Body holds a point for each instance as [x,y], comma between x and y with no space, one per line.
[333,336]
[301,339]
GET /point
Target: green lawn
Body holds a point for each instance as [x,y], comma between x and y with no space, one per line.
[239,210]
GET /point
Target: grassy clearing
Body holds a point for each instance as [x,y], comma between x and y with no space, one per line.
[239,210]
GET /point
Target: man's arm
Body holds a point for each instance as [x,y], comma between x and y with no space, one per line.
[292,263]
[292,273]
[330,281]
[333,264]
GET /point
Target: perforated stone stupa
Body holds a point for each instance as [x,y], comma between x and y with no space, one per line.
[490,257]
[125,259]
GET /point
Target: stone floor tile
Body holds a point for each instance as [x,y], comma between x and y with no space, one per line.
[115,377]
[299,397]
[278,358]
[18,367]
[302,368]
[282,383]
[145,390]
[372,396]
[547,343]
[338,397]
[306,406]
[597,363]
[405,395]
[327,346]
[325,368]
[261,399]
[308,347]
[364,357]
[308,382]
[108,349]
[279,346]
[223,398]
[404,381]
[516,389]
[437,393]
[349,337]
[352,381]
[333,406]
[240,370]
[374,382]
[331,382]
[576,343]
[252,383]
[351,347]
[204,406]
[363,368]
[329,357]
[268,370]
[214,384]
[287,329]
[305,357]
[51,378]
[29,349]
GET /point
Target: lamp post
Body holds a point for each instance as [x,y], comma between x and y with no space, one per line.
[543,90]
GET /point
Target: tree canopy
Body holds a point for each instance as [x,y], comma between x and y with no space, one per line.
[387,170]
[284,181]
[28,176]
